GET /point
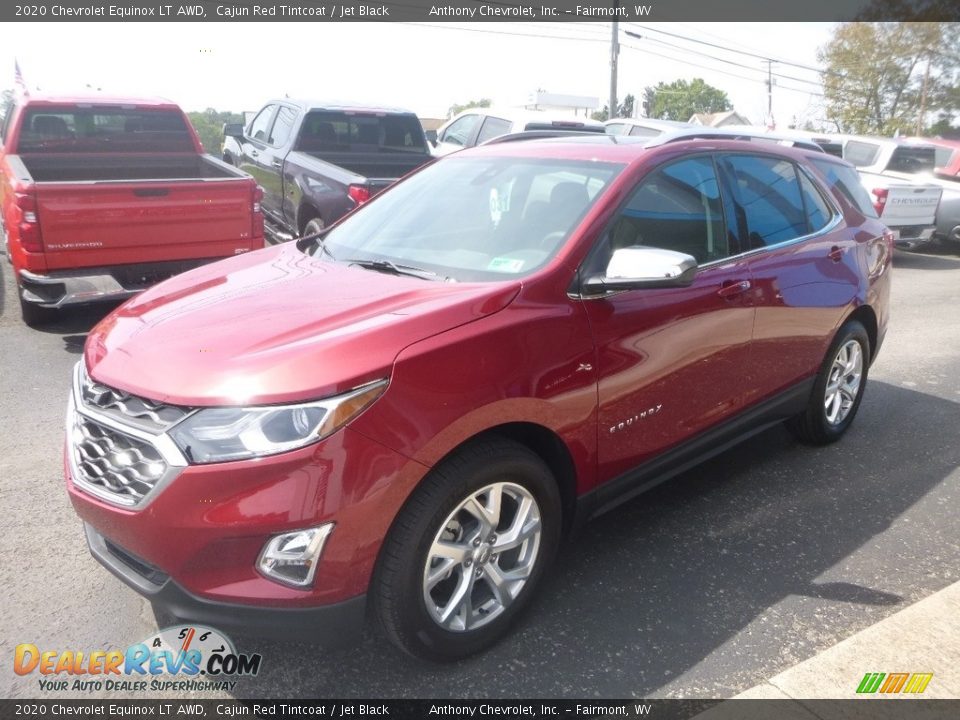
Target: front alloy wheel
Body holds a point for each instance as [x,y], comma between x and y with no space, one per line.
[843,385]
[467,551]
[482,557]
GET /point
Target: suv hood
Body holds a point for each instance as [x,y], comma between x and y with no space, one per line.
[275,326]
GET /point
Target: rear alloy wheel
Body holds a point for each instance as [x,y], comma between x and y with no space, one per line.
[468,550]
[838,389]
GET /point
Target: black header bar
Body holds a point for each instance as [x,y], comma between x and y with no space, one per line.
[479,10]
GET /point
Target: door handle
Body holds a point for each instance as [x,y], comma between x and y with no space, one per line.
[734,288]
[277,164]
[835,254]
[254,153]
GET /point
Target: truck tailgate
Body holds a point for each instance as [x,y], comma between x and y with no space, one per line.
[91,224]
[911,205]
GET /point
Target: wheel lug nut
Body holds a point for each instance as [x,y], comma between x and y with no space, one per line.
[479,572]
[476,542]
[492,540]
[493,558]
[468,562]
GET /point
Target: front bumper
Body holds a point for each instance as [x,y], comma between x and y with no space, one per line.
[332,625]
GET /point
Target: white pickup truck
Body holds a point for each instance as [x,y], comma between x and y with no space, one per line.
[898,175]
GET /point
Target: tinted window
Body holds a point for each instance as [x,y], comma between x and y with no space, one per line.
[283,125]
[638,131]
[493,127]
[943,156]
[913,159]
[103,129]
[845,181]
[677,208]
[860,154]
[819,212]
[329,131]
[768,192]
[474,219]
[261,123]
[460,131]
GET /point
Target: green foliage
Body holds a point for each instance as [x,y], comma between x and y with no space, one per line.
[875,72]
[680,99]
[624,109]
[457,109]
[209,126]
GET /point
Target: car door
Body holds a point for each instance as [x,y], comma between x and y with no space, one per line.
[801,259]
[255,142]
[672,362]
[271,163]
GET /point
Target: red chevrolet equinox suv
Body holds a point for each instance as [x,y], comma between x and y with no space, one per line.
[403,418]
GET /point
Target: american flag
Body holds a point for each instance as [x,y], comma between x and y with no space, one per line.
[18,77]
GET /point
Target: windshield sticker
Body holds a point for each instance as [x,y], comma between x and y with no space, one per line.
[505,265]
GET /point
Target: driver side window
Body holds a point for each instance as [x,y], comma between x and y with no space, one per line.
[677,207]
[459,133]
[261,124]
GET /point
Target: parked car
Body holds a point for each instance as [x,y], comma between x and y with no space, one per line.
[478,125]
[422,402]
[102,197]
[898,174]
[317,161]
[643,127]
[947,176]
[947,157]
[229,145]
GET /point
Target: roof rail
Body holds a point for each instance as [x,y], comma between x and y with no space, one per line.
[720,134]
[540,134]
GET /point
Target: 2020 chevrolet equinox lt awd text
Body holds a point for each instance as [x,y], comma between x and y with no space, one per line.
[407,415]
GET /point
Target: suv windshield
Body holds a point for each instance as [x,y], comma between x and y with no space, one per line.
[473,218]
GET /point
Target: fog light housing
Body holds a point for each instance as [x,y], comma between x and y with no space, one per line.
[292,558]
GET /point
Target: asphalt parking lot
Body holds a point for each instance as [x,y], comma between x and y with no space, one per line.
[704,587]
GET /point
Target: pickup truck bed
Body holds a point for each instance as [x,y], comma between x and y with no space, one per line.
[101,198]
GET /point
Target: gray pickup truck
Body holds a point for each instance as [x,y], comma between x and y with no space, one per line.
[316,161]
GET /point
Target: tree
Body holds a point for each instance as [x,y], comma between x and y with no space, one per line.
[209,126]
[624,109]
[879,75]
[457,109]
[680,99]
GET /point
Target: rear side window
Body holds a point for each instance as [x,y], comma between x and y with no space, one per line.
[361,132]
[615,129]
[860,154]
[103,129]
[493,127]
[283,125]
[845,181]
[677,208]
[943,156]
[913,159]
[637,131]
[768,191]
[459,132]
[819,212]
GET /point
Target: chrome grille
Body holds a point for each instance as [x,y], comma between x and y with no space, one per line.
[118,449]
[118,464]
[139,412]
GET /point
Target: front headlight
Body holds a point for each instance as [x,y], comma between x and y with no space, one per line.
[222,434]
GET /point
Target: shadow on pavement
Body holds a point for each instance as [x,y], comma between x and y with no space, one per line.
[650,590]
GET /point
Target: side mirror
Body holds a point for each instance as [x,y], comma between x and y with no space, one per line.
[431,136]
[643,267]
[234,130]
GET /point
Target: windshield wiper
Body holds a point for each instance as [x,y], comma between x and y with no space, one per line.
[388,266]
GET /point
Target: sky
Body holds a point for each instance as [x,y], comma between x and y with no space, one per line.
[425,67]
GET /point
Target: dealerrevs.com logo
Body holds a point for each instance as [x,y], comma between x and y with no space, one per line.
[179,658]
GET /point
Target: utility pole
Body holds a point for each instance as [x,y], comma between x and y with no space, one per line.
[770,123]
[614,53]
[923,100]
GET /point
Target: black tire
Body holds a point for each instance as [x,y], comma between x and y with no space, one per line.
[34,315]
[814,426]
[312,226]
[398,591]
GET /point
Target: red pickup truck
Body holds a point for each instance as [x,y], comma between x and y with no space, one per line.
[103,197]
